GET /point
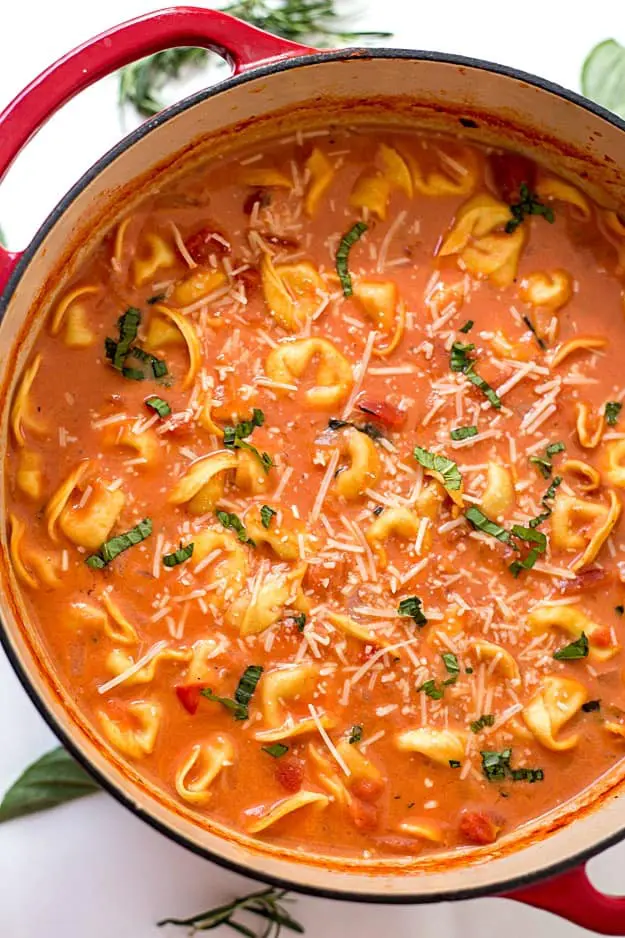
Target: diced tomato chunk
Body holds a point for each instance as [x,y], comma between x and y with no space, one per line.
[207,241]
[510,171]
[364,816]
[479,827]
[587,579]
[389,415]
[367,789]
[602,637]
[189,695]
[290,773]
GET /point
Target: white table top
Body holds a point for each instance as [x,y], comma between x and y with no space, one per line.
[91,869]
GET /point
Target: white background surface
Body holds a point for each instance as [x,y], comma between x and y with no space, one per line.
[91,869]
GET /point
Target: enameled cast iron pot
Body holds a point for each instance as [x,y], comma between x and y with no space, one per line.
[272,77]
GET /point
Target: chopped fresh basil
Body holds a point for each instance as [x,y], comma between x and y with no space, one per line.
[574,651]
[532,328]
[554,448]
[547,497]
[161,407]
[539,542]
[355,734]
[128,325]
[121,542]
[463,433]
[377,511]
[157,298]
[619,610]
[157,366]
[179,556]
[132,374]
[431,690]
[480,522]
[544,463]
[496,765]
[591,706]
[451,663]
[300,620]
[454,764]
[528,204]
[234,523]
[277,750]
[242,695]
[448,470]
[468,670]
[266,514]
[487,719]
[412,606]
[467,326]
[527,775]
[235,437]
[342,255]
[461,361]
[612,412]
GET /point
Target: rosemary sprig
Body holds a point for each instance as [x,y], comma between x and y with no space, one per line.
[267,904]
[299,20]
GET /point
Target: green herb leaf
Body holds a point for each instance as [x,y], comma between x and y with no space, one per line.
[454,764]
[574,651]
[612,411]
[532,328]
[528,204]
[451,663]
[157,298]
[247,684]
[128,324]
[369,429]
[531,536]
[619,610]
[267,904]
[459,359]
[544,463]
[547,497]
[496,765]
[467,326]
[463,433]
[300,620]
[354,234]
[266,514]
[179,556]
[603,76]
[487,719]
[161,407]
[412,606]
[554,448]
[480,522]
[234,523]
[52,780]
[235,437]
[527,775]
[431,690]
[277,750]
[451,476]
[355,734]
[238,710]
[591,706]
[489,393]
[116,545]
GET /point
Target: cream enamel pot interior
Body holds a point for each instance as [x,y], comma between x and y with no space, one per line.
[274,80]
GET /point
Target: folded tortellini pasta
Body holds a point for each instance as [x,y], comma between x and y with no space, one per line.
[557,701]
[200,766]
[134,734]
[288,362]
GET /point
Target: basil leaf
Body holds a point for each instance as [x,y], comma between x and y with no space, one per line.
[451,663]
[128,325]
[234,523]
[369,429]
[591,706]
[574,651]
[431,690]
[603,76]
[452,479]
[247,684]
[467,326]
[532,328]
[487,719]
[300,621]
[489,393]
[121,542]
[481,523]
[454,764]
[612,411]
[161,407]
[342,255]
[266,514]
[459,358]
[463,433]
[277,750]
[412,606]
[238,711]
[52,780]
[355,734]
[496,765]
[179,556]
[528,204]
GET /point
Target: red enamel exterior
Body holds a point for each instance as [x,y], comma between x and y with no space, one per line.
[571,894]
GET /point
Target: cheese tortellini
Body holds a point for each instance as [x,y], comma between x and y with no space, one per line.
[557,701]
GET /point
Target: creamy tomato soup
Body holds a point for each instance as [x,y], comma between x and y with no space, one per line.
[315,491]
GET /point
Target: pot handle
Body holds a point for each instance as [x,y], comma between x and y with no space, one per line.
[572,896]
[242,45]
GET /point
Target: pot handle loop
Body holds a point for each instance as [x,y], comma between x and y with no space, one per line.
[572,896]
[242,45]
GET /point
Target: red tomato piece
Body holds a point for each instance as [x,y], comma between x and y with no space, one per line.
[367,789]
[189,695]
[602,637]
[479,827]
[204,243]
[290,773]
[510,171]
[587,579]
[391,416]
[364,816]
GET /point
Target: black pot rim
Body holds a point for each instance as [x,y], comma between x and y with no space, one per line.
[473,892]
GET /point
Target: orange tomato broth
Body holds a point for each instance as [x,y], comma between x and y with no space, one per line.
[192,626]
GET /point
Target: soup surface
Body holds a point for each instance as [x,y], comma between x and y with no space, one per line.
[315,491]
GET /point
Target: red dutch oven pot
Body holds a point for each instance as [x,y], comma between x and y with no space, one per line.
[541,865]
